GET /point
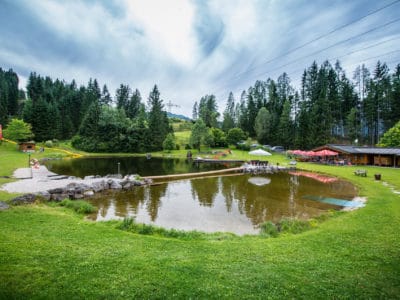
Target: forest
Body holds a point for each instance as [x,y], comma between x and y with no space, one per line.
[328,107]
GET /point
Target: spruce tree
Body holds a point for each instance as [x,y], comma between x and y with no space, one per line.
[158,120]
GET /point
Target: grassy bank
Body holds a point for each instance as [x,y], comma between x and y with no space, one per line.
[52,252]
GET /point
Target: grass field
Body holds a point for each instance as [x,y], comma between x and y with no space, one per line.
[52,252]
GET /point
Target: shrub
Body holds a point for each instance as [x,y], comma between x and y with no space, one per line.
[49,144]
[130,225]
[268,229]
[80,206]
[292,225]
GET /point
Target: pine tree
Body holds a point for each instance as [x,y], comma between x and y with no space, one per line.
[195,111]
[229,114]
[41,120]
[285,128]
[122,96]
[158,120]
[105,96]
[11,79]
[133,107]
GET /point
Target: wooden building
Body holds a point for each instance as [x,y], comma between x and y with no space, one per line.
[27,146]
[358,155]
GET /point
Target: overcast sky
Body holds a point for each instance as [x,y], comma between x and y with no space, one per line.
[193,48]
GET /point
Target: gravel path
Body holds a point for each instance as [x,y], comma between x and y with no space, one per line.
[41,180]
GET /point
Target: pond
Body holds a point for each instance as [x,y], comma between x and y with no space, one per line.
[234,203]
[82,167]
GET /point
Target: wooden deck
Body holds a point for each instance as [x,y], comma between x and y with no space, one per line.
[194,175]
[220,161]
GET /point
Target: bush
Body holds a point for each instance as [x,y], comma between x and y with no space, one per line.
[268,229]
[187,147]
[130,225]
[80,206]
[292,225]
[49,144]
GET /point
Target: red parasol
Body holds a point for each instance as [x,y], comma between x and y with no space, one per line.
[326,153]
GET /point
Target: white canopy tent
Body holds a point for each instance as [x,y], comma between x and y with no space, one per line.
[260,152]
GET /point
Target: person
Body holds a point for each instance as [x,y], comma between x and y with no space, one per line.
[189,154]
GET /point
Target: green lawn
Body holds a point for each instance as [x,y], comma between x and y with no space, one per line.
[51,252]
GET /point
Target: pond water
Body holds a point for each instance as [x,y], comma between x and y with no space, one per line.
[81,167]
[235,203]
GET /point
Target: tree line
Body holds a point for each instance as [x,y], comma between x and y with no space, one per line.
[328,107]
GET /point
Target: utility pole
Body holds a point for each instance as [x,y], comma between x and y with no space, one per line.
[170,105]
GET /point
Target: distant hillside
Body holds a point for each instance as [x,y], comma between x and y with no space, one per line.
[182,117]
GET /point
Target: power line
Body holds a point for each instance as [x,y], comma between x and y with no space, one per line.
[334,45]
[319,38]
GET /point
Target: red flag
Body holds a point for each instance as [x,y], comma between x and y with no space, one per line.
[1,132]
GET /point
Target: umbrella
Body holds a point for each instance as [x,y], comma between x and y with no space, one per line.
[326,153]
[260,152]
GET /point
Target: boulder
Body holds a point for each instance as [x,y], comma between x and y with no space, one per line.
[78,196]
[113,184]
[89,177]
[46,195]
[57,191]
[126,185]
[89,193]
[148,181]
[4,206]
[24,199]
[99,186]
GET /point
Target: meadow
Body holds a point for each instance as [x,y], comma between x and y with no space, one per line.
[49,251]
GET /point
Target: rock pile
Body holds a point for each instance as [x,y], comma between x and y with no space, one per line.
[87,188]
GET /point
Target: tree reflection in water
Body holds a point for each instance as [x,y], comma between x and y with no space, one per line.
[227,203]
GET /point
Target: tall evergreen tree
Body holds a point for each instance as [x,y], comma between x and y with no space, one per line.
[105,96]
[158,120]
[122,96]
[208,110]
[133,106]
[195,111]
[41,121]
[285,127]
[229,114]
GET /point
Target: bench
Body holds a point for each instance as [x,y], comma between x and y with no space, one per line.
[362,173]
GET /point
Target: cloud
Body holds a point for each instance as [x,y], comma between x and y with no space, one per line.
[188,47]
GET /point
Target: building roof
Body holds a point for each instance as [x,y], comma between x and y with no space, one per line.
[349,149]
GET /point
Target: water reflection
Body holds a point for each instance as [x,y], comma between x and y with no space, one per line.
[228,203]
[81,167]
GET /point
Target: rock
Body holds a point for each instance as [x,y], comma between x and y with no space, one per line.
[4,206]
[46,195]
[148,181]
[24,199]
[131,177]
[56,191]
[74,178]
[99,186]
[126,185]
[88,193]
[78,196]
[138,183]
[114,185]
[89,177]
